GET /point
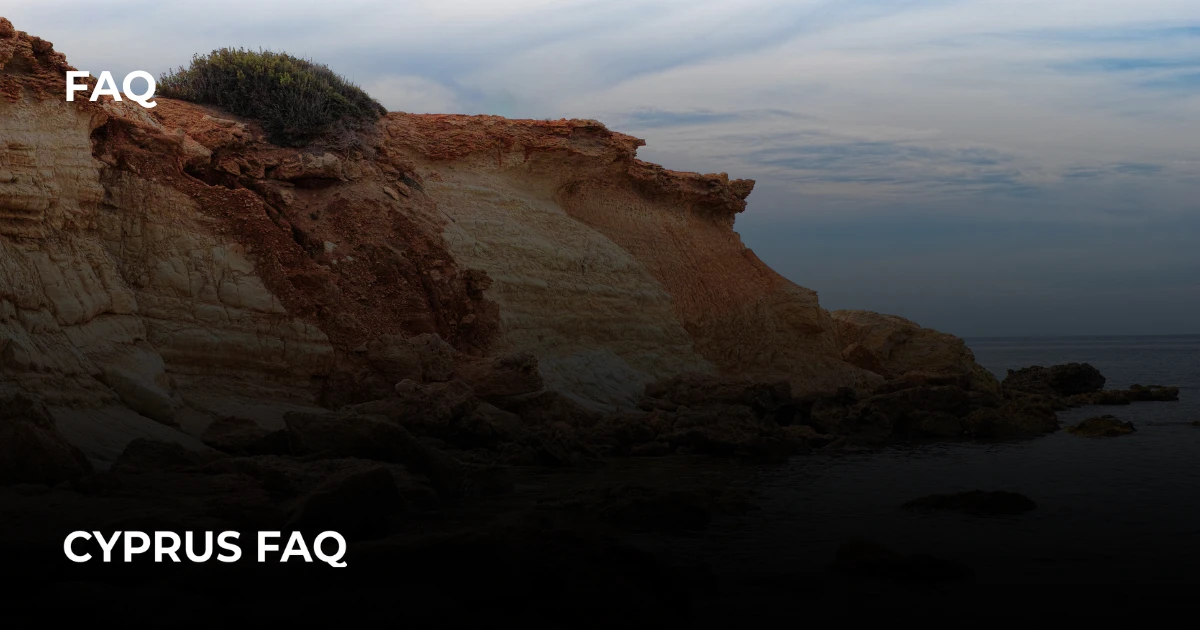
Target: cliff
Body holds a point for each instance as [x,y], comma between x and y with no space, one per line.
[165,269]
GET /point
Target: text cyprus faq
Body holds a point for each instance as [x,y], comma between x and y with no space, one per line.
[123,546]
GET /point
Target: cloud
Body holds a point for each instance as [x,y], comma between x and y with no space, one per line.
[416,95]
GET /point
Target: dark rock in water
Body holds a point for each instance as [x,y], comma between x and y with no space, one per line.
[975,502]
[31,448]
[1058,380]
[1196,423]
[1017,418]
[358,504]
[1107,397]
[924,410]
[144,456]
[866,559]
[1136,393]
[1102,426]
[1153,393]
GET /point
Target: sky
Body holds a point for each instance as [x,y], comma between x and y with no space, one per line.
[984,167]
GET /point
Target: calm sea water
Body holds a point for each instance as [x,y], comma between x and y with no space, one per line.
[1123,509]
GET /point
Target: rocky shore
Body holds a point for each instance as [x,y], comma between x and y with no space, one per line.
[435,479]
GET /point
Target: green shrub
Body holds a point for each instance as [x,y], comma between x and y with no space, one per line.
[297,101]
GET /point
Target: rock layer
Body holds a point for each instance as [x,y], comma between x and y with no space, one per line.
[168,271]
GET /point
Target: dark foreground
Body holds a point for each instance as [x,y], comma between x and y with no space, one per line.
[476,517]
[558,548]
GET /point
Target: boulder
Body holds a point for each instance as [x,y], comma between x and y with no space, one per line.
[698,390]
[1058,380]
[890,346]
[374,438]
[240,436]
[1153,393]
[554,445]
[978,502]
[359,504]
[908,409]
[423,408]
[1102,426]
[143,455]
[31,448]
[1136,393]
[309,166]
[713,430]
[501,378]
[423,358]
[859,355]
[1023,418]
[548,407]
[486,427]
[142,396]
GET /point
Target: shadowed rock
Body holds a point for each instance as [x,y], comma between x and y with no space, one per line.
[375,438]
[239,436]
[358,504]
[502,378]
[1018,418]
[1136,393]
[1102,426]
[146,456]
[31,448]
[1059,380]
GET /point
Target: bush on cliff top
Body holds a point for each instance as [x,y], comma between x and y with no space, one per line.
[297,101]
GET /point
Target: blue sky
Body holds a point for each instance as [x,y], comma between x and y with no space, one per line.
[986,167]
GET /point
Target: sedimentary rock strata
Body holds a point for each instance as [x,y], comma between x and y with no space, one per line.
[168,274]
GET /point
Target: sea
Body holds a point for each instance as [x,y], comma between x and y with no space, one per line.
[1109,510]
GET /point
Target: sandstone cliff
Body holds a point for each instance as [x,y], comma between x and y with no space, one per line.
[163,269]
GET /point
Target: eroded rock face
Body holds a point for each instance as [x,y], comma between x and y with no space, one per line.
[162,271]
[502,378]
[893,347]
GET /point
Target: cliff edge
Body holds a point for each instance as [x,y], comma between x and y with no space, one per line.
[165,269]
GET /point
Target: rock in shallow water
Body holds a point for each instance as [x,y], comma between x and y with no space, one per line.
[1102,426]
[1136,393]
[1058,380]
